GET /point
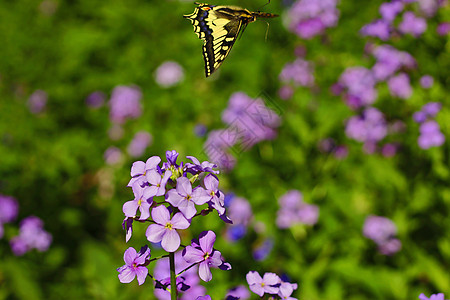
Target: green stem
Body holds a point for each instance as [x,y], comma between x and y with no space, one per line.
[173,284]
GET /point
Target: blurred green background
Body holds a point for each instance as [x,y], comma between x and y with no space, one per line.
[53,162]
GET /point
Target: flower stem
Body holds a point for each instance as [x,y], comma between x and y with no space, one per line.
[173,284]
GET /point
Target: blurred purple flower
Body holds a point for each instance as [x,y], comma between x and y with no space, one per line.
[429,7]
[419,117]
[378,28]
[261,285]
[426,81]
[341,152]
[430,135]
[139,144]
[37,101]
[240,211]
[201,251]
[432,108]
[308,18]
[370,126]
[389,10]
[439,296]
[382,231]
[412,24]
[31,236]
[286,92]
[125,103]
[200,130]
[164,230]
[239,292]
[443,28]
[113,156]
[9,208]
[294,211]
[261,252]
[169,74]
[300,73]
[389,150]
[134,265]
[399,86]
[389,61]
[359,83]
[116,132]
[95,99]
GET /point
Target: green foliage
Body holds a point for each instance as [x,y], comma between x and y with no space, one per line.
[53,162]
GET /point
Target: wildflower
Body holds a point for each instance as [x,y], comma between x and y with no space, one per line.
[412,24]
[143,199]
[125,103]
[201,251]
[378,28]
[9,208]
[139,143]
[430,135]
[185,198]
[164,230]
[31,236]
[37,101]
[169,74]
[95,99]
[139,170]
[134,265]
[439,296]
[399,86]
[268,284]
[426,81]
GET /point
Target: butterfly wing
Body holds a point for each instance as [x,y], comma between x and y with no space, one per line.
[218,27]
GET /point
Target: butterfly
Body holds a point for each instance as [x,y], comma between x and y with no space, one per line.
[219,26]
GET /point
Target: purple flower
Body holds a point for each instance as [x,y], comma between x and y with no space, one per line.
[286,92]
[300,73]
[134,265]
[412,24]
[419,117]
[216,198]
[164,229]
[379,229]
[443,28]
[196,167]
[286,290]
[294,211]
[113,156]
[378,28]
[95,99]
[169,74]
[240,211]
[185,198]
[127,225]
[390,247]
[143,199]
[432,108]
[439,296]
[139,170]
[207,297]
[360,85]
[37,101]
[389,150]
[139,144]
[429,7]
[200,130]
[399,86]
[261,252]
[341,152]
[430,135]
[202,252]
[370,126]
[426,81]
[125,103]
[239,292]
[31,236]
[268,284]
[157,181]
[389,61]
[389,10]
[9,208]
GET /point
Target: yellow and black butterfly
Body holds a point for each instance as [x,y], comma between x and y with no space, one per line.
[219,26]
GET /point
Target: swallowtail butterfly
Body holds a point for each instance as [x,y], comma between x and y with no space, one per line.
[219,26]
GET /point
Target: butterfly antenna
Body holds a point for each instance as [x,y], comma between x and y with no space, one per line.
[268,1]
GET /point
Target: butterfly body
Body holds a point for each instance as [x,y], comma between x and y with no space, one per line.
[219,26]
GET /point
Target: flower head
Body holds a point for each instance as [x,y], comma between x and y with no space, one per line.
[202,252]
[439,296]
[260,285]
[169,74]
[143,199]
[125,103]
[134,265]
[164,230]
[185,198]
[139,144]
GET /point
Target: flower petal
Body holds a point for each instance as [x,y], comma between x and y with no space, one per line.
[152,162]
[127,275]
[204,272]
[180,222]
[141,273]
[129,256]
[184,186]
[171,241]
[155,233]
[200,196]
[253,277]
[188,209]
[138,168]
[153,177]
[129,208]
[174,198]
[207,239]
[211,182]
[271,279]
[161,215]
[192,255]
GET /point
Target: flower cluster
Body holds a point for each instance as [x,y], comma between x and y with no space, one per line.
[294,211]
[32,236]
[271,284]
[125,103]
[439,296]
[249,122]
[168,195]
[410,23]
[300,72]
[382,231]
[308,18]
[430,134]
